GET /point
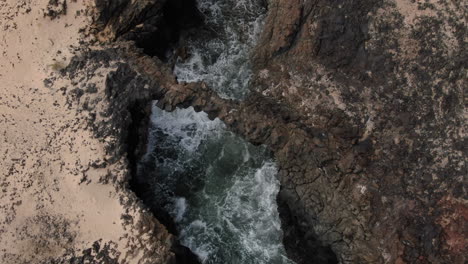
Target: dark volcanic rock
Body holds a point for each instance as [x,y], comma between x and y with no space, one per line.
[362,103]
[375,87]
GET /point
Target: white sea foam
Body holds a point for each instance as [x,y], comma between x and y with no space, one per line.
[222,60]
[186,126]
[232,216]
[180,206]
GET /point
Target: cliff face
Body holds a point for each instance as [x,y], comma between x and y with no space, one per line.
[116,106]
[362,104]
[374,92]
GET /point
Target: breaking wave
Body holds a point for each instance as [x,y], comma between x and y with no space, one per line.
[223,189]
[220,190]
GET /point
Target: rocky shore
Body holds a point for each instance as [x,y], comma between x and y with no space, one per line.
[362,104]
[65,196]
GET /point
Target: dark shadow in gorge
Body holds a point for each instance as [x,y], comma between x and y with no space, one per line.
[155,26]
[177,16]
[301,244]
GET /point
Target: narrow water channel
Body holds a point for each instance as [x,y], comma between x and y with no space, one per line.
[219,189]
[220,51]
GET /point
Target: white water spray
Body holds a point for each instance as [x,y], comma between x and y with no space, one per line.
[222,189]
[221,55]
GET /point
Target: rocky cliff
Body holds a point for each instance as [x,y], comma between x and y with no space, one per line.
[362,104]
[373,95]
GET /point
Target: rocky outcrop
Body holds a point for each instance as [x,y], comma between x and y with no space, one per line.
[362,104]
[121,117]
[373,145]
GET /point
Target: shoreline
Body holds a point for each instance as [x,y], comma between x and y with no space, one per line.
[364,115]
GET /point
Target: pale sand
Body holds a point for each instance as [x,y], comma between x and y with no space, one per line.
[45,148]
[410,11]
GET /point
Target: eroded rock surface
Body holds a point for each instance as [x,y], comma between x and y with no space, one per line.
[362,104]
[374,99]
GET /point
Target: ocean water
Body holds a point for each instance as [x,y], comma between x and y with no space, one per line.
[222,190]
[219,189]
[220,53]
